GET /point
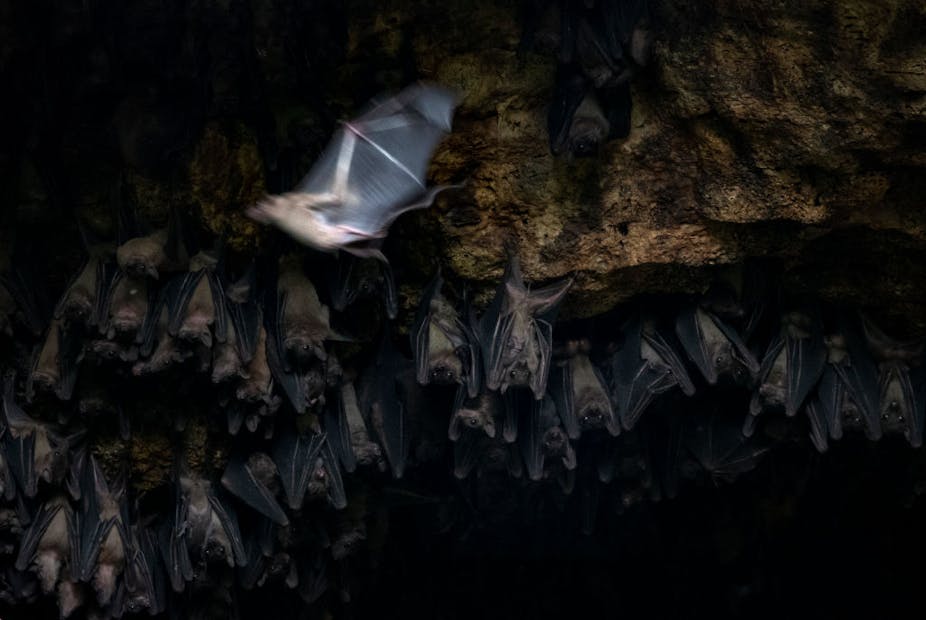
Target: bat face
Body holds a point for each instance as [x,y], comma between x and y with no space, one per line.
[589,128]
[103,350]
[143,256]
[714,347]
[476,414]
[902,405]
[445,348]
[207,525]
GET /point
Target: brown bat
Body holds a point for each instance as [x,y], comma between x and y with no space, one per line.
[580,393]
[302,320]
[128,303]
[199,306]
[57,362]
[516,332]
[159,252]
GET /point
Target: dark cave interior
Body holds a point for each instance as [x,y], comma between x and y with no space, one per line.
[106,93]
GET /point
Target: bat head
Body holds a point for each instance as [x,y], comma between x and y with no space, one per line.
[138,600]
[348,542]
[214,550]
[279,565]
[555,443]
[592,412]
[446,369]
[79,305]
[305,344]
[140,257]
[369,453]
[475,419]
[319,480]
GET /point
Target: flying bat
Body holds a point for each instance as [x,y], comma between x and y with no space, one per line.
[372,171]
[714,346]
[445,348]
[516,332]
[645,366]
[580,392]
[902,383]
[792,365]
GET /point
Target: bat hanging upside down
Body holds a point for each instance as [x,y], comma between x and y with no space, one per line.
[372,171]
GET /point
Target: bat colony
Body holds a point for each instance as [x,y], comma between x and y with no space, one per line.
[627,407]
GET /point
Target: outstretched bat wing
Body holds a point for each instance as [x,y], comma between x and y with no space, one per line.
[377,163]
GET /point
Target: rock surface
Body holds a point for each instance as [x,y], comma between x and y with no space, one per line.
[781,129]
